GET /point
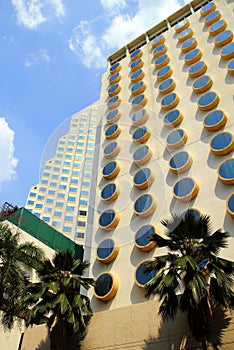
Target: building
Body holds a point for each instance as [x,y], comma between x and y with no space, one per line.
[61,198]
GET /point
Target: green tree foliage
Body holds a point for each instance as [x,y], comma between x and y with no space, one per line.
[191,278]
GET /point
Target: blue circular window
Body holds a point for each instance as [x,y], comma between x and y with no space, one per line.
[115,67]
[107,251]
[185,189]
[189,45]
[182,25]
[143,178]
[137,75]
[142,154]
[212,17]
[173,118]
[230,67]
[136,64]
[197,69]
[111,150]
[138,88]
[158,40]
[106,286]
[169,101]
[141,134]
[110,170]
[192,212]
[143,277]
[230,205]
[109,192]
[222,143]
[228,51]
[226,172]
[164,73]
[162,61]
[135,54]
[139,101]
[202,84]
[214,120]
[108,219]
[142,238]
[144,205]
[115,78]
[207,9]
[161,49]
[139,117]
[112,131]
[113,116]
[185,34]
[208,101]
[113,102]
[113,89]
[176,138]
[180,162]
[166,86]
[223,38]
[217,27]
[192,56]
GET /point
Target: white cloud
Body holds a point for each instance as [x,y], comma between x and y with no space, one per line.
[36,57]
[8,162]
[113,4]
[32,13]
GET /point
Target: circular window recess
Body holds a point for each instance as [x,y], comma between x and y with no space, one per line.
[180,162]
[159,50]
[223,38]
[142,154]
[185,34]
[228,51]
[110,170]
[158,40]
[192,56]
[182,25]
[197,69]
[111,150]
[113,116]
[230,205]
[212,18]
[114,90]
[222,143]
[108,220]
[208,101]
[110,193]
[113,102]
[185,189]
[207,9]
[162,61]
[106,286]
[193,212]
[167,86]
[188,45]
[226,172]
[170,101]
[230,67]
[144,205]
[139,102]
[115,78]
[143,178]
[112,132]
[138,88]
[177,138]
[202,84]
[137,76]
[115,68]
[141,135]
[140,117]
[107,251]
[142,241]
[135,65]
[214,121]
[141,276]
[135,55]
[173,118]
[217,27]
[164,73]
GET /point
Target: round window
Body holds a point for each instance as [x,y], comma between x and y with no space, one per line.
[182,25]
[180,162]
[138,88]
[208,101]
[192,56]
[141,155]
[176,138]
[217,27]
[158,40]
[226,172]
[111,150]
[140,117]
[144,205]
[135,55]
[113,102]
[230,67]
[109,192]
[188,45]
[185,189]
[107,251]
[106,286]
[141,135]
[173,118]
[112,131]
[202,84]
[228,51]
[215,120]
[115,78]
[136,65]
[164,73]
[223,38]
[142,241]
[159,50]
[185,34]
[137,75]
[143,178]
[230,205]
[114,89]
[222,143]
[139,101]
[212,17]
[207,9]
[108,219]
[166,86]
[192,212]
[170,101]
[162,61]
[113,116]
[115,68]
[110,170]
[197,69]
[142,276]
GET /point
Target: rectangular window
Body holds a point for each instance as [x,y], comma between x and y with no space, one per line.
[88,175]
[51,192]
[78,157]
[88,166]
[60,148]
[46,218]
[54,184]
[32,194]
[71,199]
[68,156]
[74,181]
[56,168]
[79,150]
[61,195]
[54,176]
[59,204]
[66,163]
[90,144]
[82,212]
[88,159]
[62,187]
[56,223]
[85,183]
[47,210]
[84,193]
[81,137]
[91,137]
[42,189]
[48,167]
[67,229]
[37,214]
[68,218]
[65,171]
[73,189]
[89,151]
[44,182]
[62,142]
[83,202]
[49,201]
[69,149]
[59,155]
[64,178]
[40,198]
[46,174]
[70,143]
[70,208]
[81,223]
[58,213]
[76,165]
[58,161]
[30,202]
[74,172]
[79,143]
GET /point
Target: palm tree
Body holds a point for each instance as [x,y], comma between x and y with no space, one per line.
[15,261]
[192,269]
[58,301]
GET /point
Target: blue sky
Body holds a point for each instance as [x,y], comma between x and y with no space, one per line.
[53,53]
